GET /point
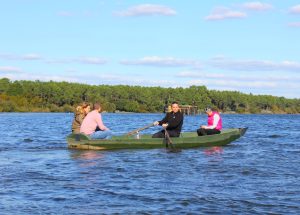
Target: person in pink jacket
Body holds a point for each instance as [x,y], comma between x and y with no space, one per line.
[93,126]
[214,123]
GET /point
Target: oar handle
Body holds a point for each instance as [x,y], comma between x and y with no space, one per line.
[140,129]
[169,141]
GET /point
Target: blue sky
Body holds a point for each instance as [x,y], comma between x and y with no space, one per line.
[246,46]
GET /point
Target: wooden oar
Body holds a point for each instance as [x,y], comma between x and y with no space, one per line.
[139,129]
[169,143]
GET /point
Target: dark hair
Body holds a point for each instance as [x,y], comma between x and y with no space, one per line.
[97,106]
[207,109]
[173,103]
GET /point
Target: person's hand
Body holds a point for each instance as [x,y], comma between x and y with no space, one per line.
[165,125]
[155,123]
[203,126]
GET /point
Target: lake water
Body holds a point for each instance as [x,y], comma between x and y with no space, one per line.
[257,174]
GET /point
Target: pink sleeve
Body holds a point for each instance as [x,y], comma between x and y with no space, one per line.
[100,123]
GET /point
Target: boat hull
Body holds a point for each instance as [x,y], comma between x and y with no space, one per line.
[186,140]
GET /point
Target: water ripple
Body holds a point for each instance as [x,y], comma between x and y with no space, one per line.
[258,174]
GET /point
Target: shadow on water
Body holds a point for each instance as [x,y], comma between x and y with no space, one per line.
[275,136]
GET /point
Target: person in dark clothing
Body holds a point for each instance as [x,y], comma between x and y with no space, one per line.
[172,122]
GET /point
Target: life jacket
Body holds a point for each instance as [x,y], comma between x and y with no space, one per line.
[210,121]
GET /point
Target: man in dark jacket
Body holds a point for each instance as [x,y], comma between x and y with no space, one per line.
[172,122]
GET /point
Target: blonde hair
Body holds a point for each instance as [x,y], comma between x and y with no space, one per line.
[80,108]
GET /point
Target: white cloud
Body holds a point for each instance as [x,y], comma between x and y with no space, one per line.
[259,83]
[83,60]
[240,78]
[257,6]
[31,56]
[222,13]
[34,77]
[7,57]
[295,9]
[147,10]
[92,60]
[294,24]
[161,62]
[10,69]
[256,65]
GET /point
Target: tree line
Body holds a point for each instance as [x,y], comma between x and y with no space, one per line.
[38,96]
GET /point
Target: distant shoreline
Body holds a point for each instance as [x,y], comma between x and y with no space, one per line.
[37,96]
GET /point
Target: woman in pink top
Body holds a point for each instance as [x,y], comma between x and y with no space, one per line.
[214,123]
[92,122]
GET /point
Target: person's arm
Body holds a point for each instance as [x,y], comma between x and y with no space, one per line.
[100,123]
[216,120]
[164,120]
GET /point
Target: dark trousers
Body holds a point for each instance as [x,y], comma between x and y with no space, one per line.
[203,131]
[161,134]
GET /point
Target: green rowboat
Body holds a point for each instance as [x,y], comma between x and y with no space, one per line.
[145,141]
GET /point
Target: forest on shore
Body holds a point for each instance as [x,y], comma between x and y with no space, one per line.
[38,96]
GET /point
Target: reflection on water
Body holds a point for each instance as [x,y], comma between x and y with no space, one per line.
[87,155]
[87,158]
[216,150]
[257,174]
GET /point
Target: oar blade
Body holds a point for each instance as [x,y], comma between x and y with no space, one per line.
[169,144]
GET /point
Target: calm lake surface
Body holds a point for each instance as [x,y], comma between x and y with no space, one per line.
[257,174]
